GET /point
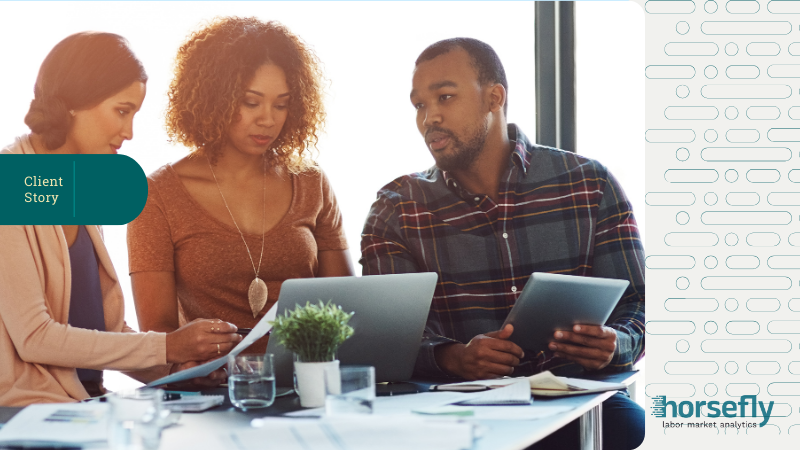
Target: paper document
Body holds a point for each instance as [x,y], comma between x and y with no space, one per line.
[204,369]
[501,391]
[477,385]
[363,432]
[544,384]
[53,424]
[529,412]
[404,404]
[514,393]
[549,385]
[398,404]
[447,410]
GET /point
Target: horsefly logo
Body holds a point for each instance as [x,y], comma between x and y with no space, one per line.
[747,406]
[659,406]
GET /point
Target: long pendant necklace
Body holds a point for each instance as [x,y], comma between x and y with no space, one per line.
[257,293]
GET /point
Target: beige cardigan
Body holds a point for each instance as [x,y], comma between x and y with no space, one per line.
[38,350]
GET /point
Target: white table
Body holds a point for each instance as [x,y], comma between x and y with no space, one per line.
[200,431]
[203,431]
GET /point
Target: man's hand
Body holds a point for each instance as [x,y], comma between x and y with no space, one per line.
[595,345]
[488,355]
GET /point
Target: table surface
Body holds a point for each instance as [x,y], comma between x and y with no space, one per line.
[202,430]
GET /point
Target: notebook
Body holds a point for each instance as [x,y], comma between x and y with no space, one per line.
[548,385]
[543,384]
[504,391]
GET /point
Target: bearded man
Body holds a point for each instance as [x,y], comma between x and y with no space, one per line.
[494,209]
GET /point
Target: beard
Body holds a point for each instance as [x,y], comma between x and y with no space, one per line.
[465,152]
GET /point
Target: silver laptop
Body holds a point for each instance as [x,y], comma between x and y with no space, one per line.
[390,315]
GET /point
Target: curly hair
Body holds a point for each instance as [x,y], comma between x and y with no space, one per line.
[213,69]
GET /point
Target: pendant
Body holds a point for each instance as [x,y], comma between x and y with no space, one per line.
[257,294]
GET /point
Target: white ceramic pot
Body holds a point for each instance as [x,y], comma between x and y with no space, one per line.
[311,381]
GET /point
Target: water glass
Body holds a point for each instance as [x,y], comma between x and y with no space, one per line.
[135,419]
[251,381]
[355,394]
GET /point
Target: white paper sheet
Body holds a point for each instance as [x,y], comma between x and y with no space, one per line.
[515,393]
[261,329]
[404,404]
[57,423]
[477,385]
[518,412]
[547,384]
[397,404]
[363,432]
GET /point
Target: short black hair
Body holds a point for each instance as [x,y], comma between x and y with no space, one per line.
[485,60]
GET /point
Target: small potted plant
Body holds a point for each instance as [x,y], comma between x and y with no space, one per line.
[314,333]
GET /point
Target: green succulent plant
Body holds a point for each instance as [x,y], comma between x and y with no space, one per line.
[314,332]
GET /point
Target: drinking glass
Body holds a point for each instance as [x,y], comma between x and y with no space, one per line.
[135,419]
[355,394]
[251,381]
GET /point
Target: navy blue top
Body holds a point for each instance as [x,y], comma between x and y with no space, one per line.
[86,298]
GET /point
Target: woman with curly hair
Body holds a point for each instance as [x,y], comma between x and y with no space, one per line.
[61,307]
[247,208]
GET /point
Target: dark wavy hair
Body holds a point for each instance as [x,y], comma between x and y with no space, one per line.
[79,72]
[484,59]
[213,69]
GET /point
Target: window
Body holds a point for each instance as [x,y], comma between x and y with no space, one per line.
[609,59]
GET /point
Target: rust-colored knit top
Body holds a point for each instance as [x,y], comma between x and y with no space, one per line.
[212,270]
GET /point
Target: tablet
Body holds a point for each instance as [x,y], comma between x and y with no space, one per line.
[551,302]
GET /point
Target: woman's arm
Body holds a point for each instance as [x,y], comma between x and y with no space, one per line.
[39,338]
[332,263]
[36,336]
[157,310]
[156,300]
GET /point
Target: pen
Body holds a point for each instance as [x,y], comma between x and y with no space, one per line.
[462,388]
[181,394]
[168,396]
[42,447]
[246,331]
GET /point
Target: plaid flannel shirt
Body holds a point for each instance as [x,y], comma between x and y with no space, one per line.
[558,212]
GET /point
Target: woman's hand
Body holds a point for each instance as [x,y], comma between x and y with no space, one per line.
[201,340]
[212,380]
